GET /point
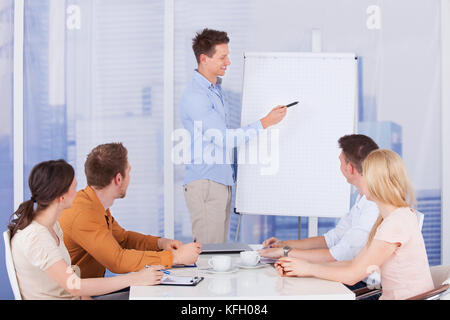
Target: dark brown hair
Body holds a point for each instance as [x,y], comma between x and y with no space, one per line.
[356,147]
[104,163]
[47,181]
[205,42]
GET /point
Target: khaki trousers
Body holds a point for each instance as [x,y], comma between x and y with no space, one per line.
[208,203]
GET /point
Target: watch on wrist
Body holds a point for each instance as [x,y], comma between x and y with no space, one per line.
[286,250]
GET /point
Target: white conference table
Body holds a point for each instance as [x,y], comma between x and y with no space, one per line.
[245,284]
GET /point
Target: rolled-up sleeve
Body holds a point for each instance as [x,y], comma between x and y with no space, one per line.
[350,244]
[355,236]
[333,236]
[196,108]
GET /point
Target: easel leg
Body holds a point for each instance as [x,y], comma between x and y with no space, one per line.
[299,227]
[236,236]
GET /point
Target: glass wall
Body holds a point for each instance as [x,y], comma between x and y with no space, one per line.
[93,75]
[6,130]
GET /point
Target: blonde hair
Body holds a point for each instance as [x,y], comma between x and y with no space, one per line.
[387,181]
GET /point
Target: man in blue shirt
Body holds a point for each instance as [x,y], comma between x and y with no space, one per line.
[209,177]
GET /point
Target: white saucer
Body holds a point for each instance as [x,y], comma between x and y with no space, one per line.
[211,270]
[259,265]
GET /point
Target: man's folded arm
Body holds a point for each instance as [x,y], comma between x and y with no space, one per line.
[100,243]
[134,240]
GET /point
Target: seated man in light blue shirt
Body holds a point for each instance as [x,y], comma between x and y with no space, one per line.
[204,113]
[351,233]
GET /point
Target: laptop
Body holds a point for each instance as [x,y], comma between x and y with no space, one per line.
[228,247]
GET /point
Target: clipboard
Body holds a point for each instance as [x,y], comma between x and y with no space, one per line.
[184,265]
[180,281]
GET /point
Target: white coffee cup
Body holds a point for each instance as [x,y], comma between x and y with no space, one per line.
[220,263]
[250,258]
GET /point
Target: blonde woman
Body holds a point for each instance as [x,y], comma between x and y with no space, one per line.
[395,246]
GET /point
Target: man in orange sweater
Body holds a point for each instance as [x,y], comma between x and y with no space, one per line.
[93,237]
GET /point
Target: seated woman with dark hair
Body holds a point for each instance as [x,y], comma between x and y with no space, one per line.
[41,260]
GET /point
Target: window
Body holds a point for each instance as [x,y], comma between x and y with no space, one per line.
[94,75]
[6,129]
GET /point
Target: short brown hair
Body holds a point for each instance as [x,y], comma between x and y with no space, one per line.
[104,163]
[205,42]
[356,147]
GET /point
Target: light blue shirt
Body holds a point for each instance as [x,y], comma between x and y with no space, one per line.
[352,231]
[203,109]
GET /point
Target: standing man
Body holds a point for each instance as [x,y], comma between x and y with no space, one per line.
[202,107]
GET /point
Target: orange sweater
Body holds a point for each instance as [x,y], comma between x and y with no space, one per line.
[96,241]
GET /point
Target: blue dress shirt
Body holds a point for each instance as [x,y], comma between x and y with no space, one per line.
[203,109]
[352,231]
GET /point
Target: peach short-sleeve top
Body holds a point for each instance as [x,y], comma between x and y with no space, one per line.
[406,273]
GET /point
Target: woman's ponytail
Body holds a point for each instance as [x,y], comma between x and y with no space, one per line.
[48,180]
[22,217]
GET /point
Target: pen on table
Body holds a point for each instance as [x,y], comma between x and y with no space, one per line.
[163,271]
[271,245]
[274,244]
